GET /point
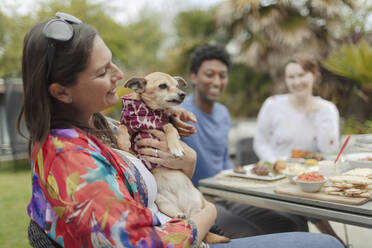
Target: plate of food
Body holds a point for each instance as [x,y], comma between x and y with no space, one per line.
[294,170]
[364,143]
[261,171]
[359,160]
[310,158]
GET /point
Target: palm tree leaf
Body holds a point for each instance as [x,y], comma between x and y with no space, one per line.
[292,31]
[352,61]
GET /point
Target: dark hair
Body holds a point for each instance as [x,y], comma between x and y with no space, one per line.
[308,62]
[71,58]
[208,52]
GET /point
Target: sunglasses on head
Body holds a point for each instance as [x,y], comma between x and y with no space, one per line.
[56,30]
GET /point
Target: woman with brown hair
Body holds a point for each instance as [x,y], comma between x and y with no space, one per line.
[84,193]
[298,120]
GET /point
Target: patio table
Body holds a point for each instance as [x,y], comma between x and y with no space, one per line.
[265,197]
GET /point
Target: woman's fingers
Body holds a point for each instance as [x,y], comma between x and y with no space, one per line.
[163,159]
[184,129]
[180,124]
[157,133]
[188,116]
[186,132]
[153,152]
[181,114]
[147,151]
[153,160]
[154,143]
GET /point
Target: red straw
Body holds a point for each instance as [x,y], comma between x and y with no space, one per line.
[342,148]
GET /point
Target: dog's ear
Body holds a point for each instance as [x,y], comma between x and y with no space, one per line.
[136,84]
[181,81]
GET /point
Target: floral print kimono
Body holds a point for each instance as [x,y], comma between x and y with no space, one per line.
[85,195]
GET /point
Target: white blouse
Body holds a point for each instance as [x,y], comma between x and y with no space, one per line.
[280,128]
[151,185]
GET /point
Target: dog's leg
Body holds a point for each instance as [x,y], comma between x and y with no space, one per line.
[212,238]
[173,140]
[168,207]
[123,138]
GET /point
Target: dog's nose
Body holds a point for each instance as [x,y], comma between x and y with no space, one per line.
[181,95]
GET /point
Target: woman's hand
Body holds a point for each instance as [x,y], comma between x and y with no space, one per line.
[180,117]
[156,151]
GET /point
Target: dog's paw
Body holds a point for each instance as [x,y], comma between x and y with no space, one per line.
[124,144]
[178,153]
[123,138]
[181,215]
[177,150]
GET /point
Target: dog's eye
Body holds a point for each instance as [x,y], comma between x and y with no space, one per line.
[163,86]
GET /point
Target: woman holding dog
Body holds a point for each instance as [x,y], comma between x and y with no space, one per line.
[84,194]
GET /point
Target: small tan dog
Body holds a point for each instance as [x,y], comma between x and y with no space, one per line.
[177,196]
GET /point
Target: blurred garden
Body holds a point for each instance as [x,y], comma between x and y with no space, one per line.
[259,34]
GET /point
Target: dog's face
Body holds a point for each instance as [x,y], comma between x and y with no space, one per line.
[158,90]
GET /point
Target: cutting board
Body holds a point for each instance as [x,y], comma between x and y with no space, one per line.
[295,190]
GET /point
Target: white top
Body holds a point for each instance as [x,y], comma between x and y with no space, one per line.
[280,128]
[151,185]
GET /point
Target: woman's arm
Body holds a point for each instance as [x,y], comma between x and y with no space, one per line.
[163,156]
[179,118]
[204,219]
[94,205]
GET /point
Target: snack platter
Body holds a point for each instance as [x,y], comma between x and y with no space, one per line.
[249,174]
[359,160]
[351,187]
[294,190]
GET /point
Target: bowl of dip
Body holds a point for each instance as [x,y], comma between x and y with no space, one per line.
[310,181]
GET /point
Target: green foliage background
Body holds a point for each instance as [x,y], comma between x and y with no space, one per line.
[15,195]
[143,45]
[138,48]
[133,46]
